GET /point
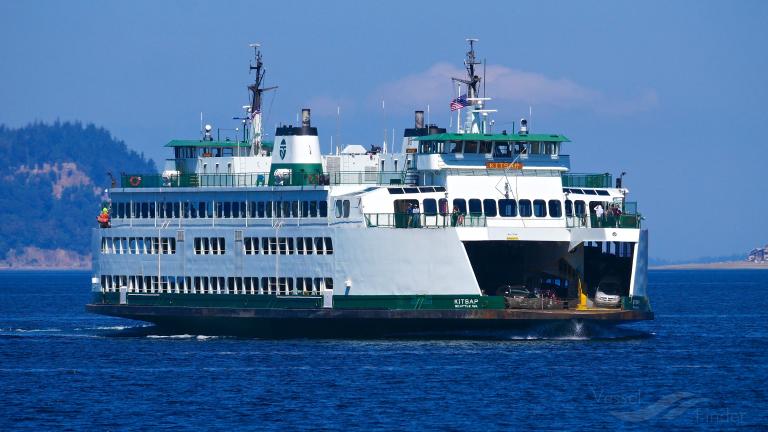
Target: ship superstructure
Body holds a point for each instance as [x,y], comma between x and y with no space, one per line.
[464,229]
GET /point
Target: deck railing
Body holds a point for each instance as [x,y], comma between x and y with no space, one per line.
[261,179]
[421,220]
[605,221]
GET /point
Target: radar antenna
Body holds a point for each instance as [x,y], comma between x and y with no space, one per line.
[469,63]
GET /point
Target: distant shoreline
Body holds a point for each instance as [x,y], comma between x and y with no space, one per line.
[28,268]
[729,265]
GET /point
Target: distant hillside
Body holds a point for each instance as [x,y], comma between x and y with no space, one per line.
[52,179]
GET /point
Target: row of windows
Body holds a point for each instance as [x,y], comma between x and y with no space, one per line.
[492,208]
[509,207]
[501,149]
[288,245]
[210,246]
[586,191]
[138,245]
[407,190]
[216,285]
[221,210]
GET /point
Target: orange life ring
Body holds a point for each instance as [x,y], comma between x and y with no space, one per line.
[134,181]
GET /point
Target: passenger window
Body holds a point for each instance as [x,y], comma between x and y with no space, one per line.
[579,208]
[539,208]
[525,208]
[346,208]
[304,209]
[461,204]
[475,209]
[507,208]
[338,208]
[430,207]
[260,212]
[313,209]
[568,208]
[489,207]
[555,209]
[268,209]
[323,208]
[443,204]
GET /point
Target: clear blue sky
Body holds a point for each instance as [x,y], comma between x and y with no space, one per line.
[674,93]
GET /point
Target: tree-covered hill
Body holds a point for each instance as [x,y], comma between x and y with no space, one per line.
[52,177]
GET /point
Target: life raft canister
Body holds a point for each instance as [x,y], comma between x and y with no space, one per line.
[134,181]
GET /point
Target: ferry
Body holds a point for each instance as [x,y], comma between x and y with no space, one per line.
[461,230]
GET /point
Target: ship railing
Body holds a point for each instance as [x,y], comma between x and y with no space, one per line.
[604,221]
[261,179]
[587,180]
[422,220]
[500,172]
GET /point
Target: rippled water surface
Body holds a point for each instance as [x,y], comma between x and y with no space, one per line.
[702,364]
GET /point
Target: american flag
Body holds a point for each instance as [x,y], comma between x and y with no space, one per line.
[459,103]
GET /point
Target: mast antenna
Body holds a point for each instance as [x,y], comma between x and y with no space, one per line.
[257,90]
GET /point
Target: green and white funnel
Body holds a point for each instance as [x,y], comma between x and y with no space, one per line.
[296,159]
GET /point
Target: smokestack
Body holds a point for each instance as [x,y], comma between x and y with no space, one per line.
[419,119]
[305,119]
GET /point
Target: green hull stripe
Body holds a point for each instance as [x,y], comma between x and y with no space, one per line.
[387,302]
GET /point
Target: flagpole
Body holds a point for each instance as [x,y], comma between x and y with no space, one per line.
[458,113]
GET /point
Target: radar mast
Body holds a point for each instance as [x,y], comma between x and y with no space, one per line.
[256,90]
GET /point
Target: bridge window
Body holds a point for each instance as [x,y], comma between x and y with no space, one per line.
[470,147]
[502,150]
[455,146]
[539,208]
[489,207]
[555,209]
[507,208]
[525,208]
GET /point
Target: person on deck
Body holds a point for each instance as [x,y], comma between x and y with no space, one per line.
[103,218]
[415,216]
[599,212]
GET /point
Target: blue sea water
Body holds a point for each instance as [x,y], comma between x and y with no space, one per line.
[702,364]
